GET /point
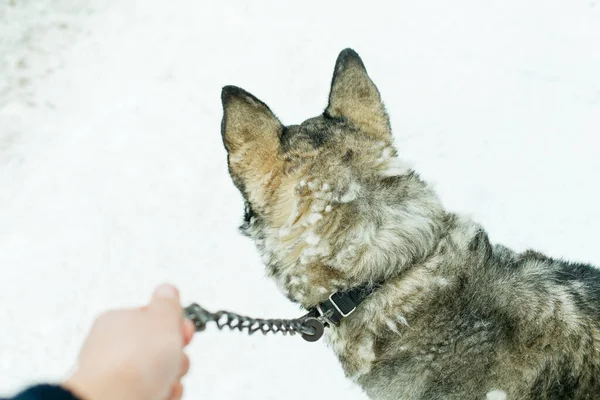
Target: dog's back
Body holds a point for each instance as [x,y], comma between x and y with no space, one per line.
[522,326]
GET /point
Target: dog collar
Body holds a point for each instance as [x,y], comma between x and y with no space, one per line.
[339,305]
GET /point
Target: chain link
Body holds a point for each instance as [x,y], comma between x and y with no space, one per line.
[310,328]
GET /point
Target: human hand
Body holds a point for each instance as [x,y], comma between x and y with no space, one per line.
[133,354]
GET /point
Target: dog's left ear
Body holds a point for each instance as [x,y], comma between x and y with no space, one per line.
[354,96]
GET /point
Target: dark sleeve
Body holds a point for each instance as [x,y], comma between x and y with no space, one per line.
[44,392]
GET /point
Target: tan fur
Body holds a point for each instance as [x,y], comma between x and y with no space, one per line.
[253,130]
[358,99]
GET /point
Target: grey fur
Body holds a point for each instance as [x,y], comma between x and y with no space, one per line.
[330,207]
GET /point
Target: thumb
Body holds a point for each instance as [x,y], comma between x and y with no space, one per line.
[165,302]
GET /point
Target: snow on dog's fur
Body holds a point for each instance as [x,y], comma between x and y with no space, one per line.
[331,207]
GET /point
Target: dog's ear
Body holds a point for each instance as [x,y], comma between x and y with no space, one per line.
[355,97]
[251,134]
[246,119]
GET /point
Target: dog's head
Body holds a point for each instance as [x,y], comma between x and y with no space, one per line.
[328,203]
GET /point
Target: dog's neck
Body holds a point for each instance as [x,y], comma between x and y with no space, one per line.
[327,248]
[461,238]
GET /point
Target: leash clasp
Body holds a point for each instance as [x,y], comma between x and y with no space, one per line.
[317,326]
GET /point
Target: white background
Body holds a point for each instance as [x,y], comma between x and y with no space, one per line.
[113,176]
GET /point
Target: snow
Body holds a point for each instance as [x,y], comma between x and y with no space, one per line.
[113,177]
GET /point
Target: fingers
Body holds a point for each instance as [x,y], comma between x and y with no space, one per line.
[185,366]
[188,329]
[177,388]
[176,392]
[165,302]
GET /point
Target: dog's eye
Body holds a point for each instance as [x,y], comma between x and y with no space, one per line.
[248,212]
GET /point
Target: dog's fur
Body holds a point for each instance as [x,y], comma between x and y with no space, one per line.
[331,207]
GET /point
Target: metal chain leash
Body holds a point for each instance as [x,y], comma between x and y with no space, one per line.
[310,328]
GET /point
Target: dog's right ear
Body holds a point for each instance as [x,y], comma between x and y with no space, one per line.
[246,119]
[355,97]
[251,134]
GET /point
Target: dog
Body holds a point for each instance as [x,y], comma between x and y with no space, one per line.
[448,314]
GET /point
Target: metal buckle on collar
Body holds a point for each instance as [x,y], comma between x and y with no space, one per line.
[325,317]
[338,308]
[328,315]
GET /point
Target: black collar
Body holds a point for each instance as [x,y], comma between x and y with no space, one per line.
[339,305]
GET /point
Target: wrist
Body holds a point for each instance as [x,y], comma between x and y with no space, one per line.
[83,387]
[90,386]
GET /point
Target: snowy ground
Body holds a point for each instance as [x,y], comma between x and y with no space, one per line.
[113,177]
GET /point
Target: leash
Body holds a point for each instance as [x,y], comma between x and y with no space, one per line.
[310,326]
